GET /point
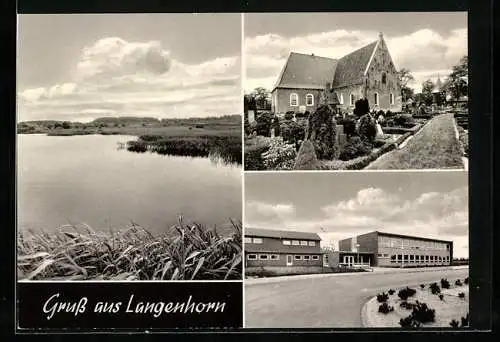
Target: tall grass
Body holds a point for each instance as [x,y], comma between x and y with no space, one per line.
[185,252]
[228,148]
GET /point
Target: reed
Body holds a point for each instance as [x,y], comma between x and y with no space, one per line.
[185,252]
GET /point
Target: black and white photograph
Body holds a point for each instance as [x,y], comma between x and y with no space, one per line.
[129,147]
[356,91]
[356,250]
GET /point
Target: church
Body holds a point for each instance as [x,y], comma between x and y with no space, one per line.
[368,72]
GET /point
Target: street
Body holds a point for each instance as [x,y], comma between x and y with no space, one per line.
[327,302]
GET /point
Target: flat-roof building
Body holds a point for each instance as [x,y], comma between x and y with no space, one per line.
[282,251]
[395,250]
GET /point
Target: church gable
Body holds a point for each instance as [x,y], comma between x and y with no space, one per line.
[381,74]
[351,68]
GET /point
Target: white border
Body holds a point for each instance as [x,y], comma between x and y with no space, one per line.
[243,78]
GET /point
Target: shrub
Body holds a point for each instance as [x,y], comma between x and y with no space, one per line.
[381,298]
[289,115]
[391,292]
[406,305]
[385,309]
[321,131]
[435,289]
[306,158]
[422,313]
[367,129]
[441,297]
[292,132]
[355,147]
[445,284]
[454,323]
[407,292]
[389,114]
[422,286]
[464,321]
[349,123]
[66,125]
[458,282]
[408,322]
[253,156]
[280,155]
[404,120]
[380,112]
[466,281]
[361,107]
[264,121]
[461,295]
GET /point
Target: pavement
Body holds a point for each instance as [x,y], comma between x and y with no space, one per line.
[328,300]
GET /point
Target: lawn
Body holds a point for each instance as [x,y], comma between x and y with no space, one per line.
[435,146]
[187,251]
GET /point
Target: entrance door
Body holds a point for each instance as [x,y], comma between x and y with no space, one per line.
[289,260]
[348,260]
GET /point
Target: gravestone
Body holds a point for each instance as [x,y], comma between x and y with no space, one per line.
[251,116]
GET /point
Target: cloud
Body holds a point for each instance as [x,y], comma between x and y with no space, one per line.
[442,215]
[115,77]
[425,52]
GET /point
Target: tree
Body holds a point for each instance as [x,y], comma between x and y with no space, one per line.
[405,76]
[456,84]
[427,88]
[262,98]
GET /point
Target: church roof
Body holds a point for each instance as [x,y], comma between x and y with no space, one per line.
[306,72]
[351,68]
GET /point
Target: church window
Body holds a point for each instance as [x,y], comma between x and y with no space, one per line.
[375,99]
[384,78]
[294,100]
[309,100]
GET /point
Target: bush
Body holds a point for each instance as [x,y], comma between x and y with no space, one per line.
[445,284]
[289,115]
[367,129]
[406,305]
[264,122]
[458,282]
[385,309]
[279,156]
[199,126]
[391,292]
[321,131]
[66,125]
[422,313]
[435,289]
[408,322]
[422,286]
[253,157]
[465,320]
[454,323]
[441,297]
[461,295]
[355,147]
[349,123]
[404,120]
[407,292]
[361,107]
[306,158]
[381,298]
[466,281]
[292,132]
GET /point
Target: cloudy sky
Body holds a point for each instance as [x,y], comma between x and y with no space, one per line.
[344,204]
[78,67]
[428,44]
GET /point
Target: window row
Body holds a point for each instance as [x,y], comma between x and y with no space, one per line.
[299,243]
[415,258]
[352,99]
[262,256]
[294,100]
[253,240]
[412,244]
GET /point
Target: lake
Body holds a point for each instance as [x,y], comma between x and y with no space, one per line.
[87,179]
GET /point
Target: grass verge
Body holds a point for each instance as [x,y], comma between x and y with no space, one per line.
[433,147]
[79,253]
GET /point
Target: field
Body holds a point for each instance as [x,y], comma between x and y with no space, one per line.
[80,253]
[435,146]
